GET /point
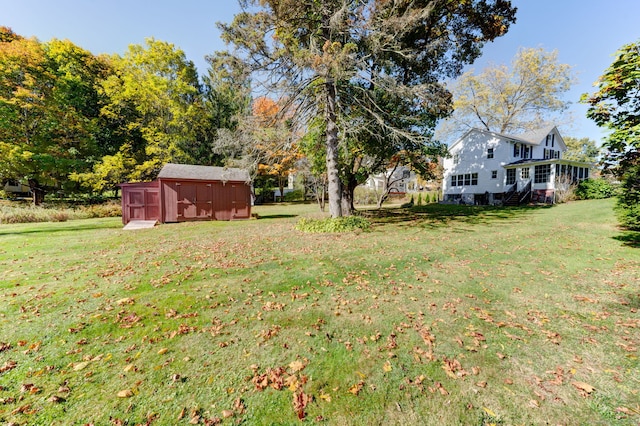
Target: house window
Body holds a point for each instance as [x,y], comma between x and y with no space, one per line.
[406,174]
[525,151]
[494,174]
[524,173]
[465,179]
[542,173]
[550,139]
[511,176]
[490,153]
[516,150]
[456,158]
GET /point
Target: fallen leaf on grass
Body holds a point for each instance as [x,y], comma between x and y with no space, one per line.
[8,365]
[387,367]
[296,366]
[126,393]
[584,388]
[355,389]
[79,366]
[300,401]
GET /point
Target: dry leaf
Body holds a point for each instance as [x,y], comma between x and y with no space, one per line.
[583,387]
[79,366]
[126,393]
[227,413]
[355,389]
[387,367]
[296,366]
[163,351]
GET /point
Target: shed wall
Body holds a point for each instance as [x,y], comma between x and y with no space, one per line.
[188,200]
[140,201]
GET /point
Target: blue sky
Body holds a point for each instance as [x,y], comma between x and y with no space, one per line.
[586,33]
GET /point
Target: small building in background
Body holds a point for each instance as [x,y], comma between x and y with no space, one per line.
[184,192]
[492,168]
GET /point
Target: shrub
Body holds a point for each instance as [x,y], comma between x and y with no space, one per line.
[296,195]
[22,213]
[364,196]
[628,205]
[420,198]
[110,209]
[331,225]
[591,189]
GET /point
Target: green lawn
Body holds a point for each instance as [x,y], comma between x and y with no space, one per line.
[444,315]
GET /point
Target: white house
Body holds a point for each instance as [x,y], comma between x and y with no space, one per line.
[401,180]
[489,168]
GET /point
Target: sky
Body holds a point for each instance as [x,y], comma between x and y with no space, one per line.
[586,33]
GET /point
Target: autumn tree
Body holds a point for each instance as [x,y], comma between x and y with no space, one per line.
[616,107]
[155,92]
[511,99]
[49,111]
[346,61]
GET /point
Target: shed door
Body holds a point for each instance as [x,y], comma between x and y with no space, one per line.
[143,204]
[194,201]
[240,201]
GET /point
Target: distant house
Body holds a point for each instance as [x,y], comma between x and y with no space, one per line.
[185,192]
[400,180]
[490,168]
[17,188]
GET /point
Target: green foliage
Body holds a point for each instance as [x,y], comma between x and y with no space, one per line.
[616,107]
[583,149]
[333,225]
[419,203]
[385,62]
[628,205]
[295,195]
[365,196]
[592,189]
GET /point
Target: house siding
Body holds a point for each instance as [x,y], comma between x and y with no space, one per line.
[522,153]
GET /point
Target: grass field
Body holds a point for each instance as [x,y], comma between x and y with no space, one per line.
[444,315]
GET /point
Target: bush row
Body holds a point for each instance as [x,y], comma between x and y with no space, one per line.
[22,213]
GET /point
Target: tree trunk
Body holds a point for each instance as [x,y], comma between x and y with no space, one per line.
[38,193]
[334,184]
[347,196]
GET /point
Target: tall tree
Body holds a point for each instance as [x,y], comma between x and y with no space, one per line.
[616,107]
[49,108]
[510,100]
[583,149]
[340,58]
[156,91]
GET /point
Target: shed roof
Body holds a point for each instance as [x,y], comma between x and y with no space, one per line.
[189,171]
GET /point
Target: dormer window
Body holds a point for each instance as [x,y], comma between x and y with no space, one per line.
[550,141]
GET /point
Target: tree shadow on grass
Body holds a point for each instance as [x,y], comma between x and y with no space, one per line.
[50,227]
[446,215]
[276,216]
[629,239]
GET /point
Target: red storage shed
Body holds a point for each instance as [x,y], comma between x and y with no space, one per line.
[185,192]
